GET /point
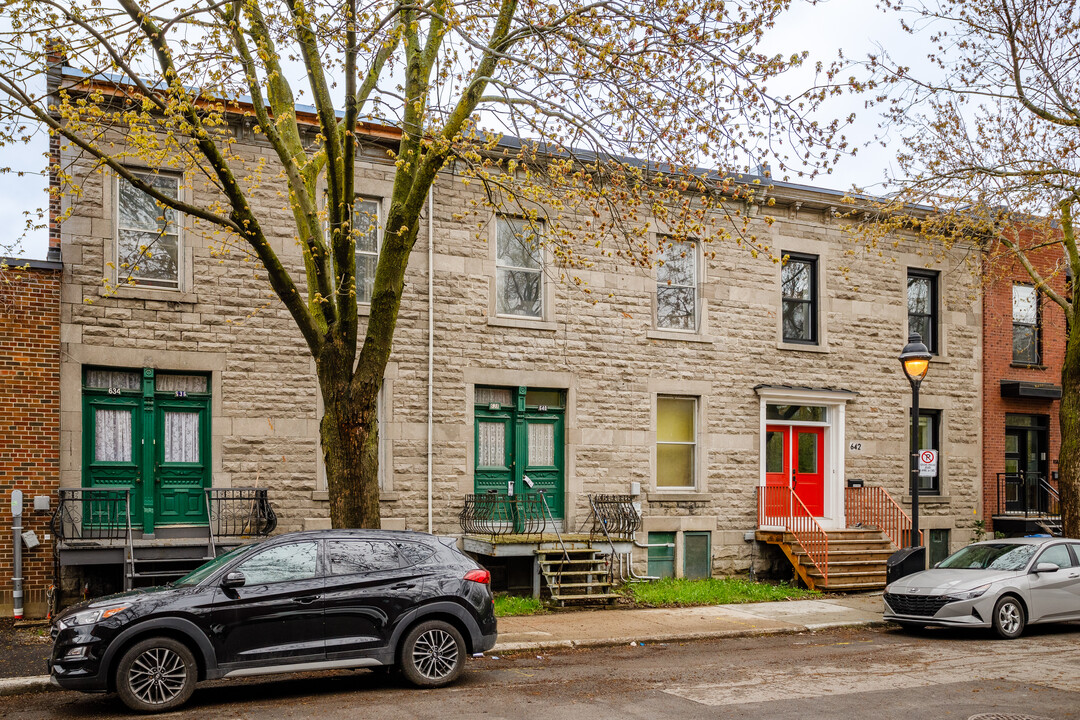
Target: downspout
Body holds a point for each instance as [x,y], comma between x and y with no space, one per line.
[431,343]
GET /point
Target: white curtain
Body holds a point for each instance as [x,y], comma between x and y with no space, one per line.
[123,379]
[181,437]
[541,444]
[112,435]
[492,444]
[187,383]
[486,396]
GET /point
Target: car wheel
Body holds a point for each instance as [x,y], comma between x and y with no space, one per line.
[156,675]
[433,654]
[1009,618]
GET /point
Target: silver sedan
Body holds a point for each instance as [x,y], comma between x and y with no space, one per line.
[1003,584]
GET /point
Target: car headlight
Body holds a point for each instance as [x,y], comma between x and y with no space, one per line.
[89,617]
[969,594]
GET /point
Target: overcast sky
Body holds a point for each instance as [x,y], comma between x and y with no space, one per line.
[852,25]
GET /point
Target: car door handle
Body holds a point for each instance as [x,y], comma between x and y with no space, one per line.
[307,599]
[403,586]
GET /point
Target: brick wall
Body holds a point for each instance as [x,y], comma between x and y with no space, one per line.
[1001,273]
[29,419]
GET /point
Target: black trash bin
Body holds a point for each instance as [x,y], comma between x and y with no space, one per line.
[905,562]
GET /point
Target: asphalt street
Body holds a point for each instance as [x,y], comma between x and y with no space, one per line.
[880,673]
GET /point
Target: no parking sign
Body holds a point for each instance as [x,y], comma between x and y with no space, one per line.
[928,463]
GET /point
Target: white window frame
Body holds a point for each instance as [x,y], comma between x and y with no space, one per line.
[695,444]
[695,285]
[377,202]
[122,274]
[499,268]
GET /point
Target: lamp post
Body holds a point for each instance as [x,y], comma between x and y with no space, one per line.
[915,359]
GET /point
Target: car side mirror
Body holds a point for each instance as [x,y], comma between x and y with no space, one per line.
[937,564]
[1046,567]
[233,579]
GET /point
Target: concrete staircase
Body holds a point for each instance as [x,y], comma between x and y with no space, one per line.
[856,559]
[581,575]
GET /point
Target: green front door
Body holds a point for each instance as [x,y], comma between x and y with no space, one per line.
[519,443]
[149,432]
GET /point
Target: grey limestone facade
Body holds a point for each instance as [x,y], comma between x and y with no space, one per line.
[616,373]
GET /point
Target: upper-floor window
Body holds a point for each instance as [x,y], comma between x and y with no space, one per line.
[922,306]
[147,233]
[519,268]
[368,226]
[677,286]
[676,441]
[1025,324]
[798,282]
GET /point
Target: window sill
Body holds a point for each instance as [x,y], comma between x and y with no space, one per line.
[523,323]
[324,496]
[940,360]
[683,496]
[1028,366]
[676,335]
[929,499]
[800,347]
[134,292]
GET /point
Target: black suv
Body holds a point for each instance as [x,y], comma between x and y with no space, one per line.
[297,602]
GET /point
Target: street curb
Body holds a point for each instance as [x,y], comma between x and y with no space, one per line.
[673,638]
[20,685]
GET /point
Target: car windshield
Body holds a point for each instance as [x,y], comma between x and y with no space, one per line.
[992,556]
[202,572]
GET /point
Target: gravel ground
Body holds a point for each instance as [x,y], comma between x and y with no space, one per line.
[24,649]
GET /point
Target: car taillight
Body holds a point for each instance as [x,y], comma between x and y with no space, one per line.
[479,576]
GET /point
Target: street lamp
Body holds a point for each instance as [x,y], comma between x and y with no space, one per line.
[915,359]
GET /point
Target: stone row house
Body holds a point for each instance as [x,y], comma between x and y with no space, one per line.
[690,388]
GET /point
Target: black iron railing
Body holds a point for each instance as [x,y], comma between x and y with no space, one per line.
[92,514]
[1028,495]
[239,512]
[614,516]
[499,515]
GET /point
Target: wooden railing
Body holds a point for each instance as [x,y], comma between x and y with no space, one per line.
[873,506]
[779,507]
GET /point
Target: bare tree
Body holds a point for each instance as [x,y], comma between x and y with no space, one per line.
[990,129]
[586,85]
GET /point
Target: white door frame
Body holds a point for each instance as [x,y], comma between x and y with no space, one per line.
[835,404]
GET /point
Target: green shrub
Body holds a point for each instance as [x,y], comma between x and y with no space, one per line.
[510,605]
[712,591]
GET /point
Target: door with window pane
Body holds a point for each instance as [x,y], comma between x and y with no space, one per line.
[519,443]
[181,453]
[112,457]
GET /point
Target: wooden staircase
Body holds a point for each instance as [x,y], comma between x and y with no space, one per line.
[581,574]
[856,559]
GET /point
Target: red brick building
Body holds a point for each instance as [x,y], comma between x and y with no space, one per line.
[29,419]
[1023,349]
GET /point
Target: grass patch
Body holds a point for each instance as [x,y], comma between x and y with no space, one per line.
[675,592]
[511,605]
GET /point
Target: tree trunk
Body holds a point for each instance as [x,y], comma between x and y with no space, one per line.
[1069,458]
[350,446]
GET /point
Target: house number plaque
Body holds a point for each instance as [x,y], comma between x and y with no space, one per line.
[181,393]
[494,406]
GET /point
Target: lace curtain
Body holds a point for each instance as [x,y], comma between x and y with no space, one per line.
[181,437]
[112,435]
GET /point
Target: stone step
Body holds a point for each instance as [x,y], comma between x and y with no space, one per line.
[832,586]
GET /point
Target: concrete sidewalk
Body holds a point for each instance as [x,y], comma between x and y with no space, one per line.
[594,628]
[591,628]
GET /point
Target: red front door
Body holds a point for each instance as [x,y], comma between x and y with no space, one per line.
[795,457]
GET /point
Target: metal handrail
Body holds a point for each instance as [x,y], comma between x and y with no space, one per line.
[498,514]
[779,503]
[90,514]
[873,506]
[1046,503]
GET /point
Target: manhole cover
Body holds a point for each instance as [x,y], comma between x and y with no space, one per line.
[1007,716]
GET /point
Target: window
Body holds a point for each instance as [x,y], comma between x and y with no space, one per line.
[922,306]
[676,436]
[929,439]
[147,234]
[1057,555]
[1025,325]
[677,286]
[351,557]
[368,231]
[797,413]
[519,268]
[662,554]
[798,281]
[284,563]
